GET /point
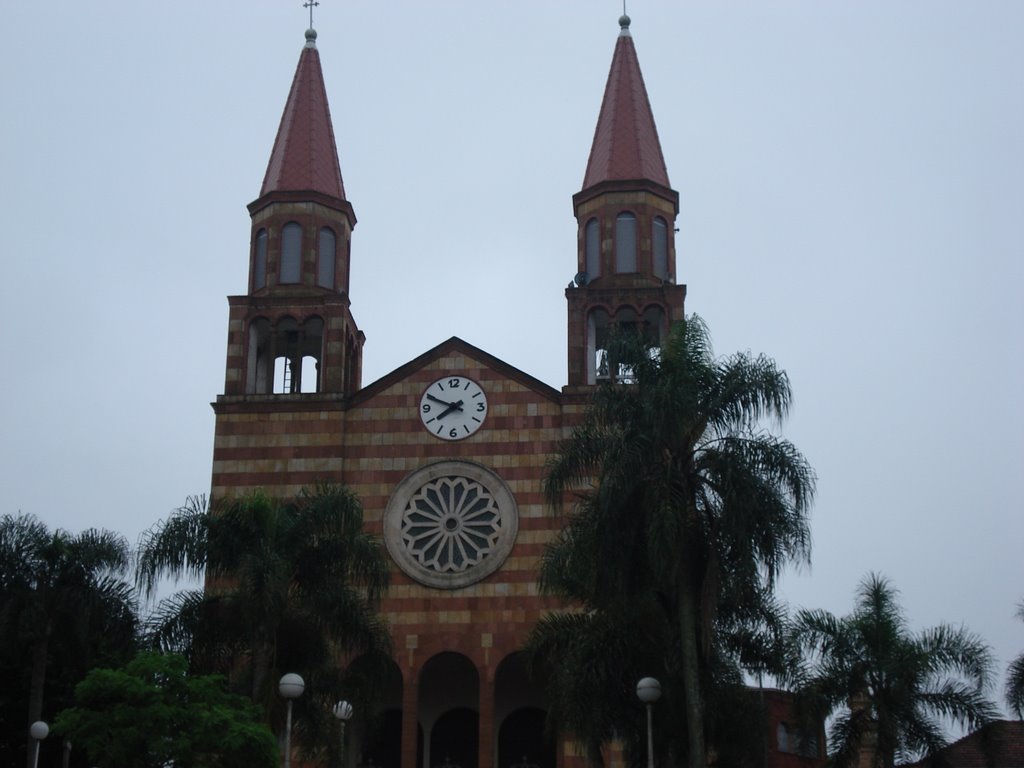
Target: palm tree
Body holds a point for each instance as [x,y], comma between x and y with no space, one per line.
[62,591]
[1015,678]
[288,582]
[684,501]
[892,689]
[589,661]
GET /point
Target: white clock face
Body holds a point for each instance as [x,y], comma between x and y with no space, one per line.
[453,407]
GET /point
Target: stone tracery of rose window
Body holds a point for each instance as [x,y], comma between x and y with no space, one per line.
[451,524]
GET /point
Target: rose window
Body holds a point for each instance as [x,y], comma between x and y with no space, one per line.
[451,524]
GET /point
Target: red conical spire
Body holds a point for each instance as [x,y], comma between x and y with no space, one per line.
[626,146]
[305,156]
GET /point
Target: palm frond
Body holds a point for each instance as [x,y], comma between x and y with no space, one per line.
[1015,686]
[172,625]
[175,547]
[956,649]
[1015,677]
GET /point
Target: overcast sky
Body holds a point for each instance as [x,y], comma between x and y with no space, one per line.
[851,177]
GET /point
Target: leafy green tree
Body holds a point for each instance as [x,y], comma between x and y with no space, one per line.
[63,606]
[1015,678]
[151,714]
[289,585]
[886,687]
[686,509]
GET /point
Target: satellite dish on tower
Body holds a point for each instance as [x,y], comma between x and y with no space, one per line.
[581,279]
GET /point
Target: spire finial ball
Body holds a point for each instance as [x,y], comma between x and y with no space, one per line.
[311,38]
[624,21]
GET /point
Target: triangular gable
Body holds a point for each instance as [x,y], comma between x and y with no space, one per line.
[455,345]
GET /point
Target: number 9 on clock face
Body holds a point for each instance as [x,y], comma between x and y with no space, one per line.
[453,407]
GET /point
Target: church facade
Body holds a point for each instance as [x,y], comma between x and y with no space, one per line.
[447,452]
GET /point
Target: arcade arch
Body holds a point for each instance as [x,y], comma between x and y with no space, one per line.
[449,711]
[519,717]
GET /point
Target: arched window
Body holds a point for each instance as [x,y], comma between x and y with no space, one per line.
[259,264]
[654,328]
[592,244]
[598,327]
[312,353]
[625,243]
[659,244]
[602,329]
[310,374]
[794,740]
[325,260]
[260,371]
[782,738]
[291,253]
[287,370]
[284,357]
[625,321]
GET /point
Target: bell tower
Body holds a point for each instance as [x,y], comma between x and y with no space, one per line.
[294,351]
[292,332]
[626,213]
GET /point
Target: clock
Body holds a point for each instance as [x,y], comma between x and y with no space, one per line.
[453,407]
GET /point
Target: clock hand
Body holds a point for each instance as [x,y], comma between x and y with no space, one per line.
[456,406]
[449,407]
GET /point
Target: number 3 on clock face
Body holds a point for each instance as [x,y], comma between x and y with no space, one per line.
[453,407]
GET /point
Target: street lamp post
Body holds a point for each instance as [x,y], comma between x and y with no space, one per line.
[648,690]
[38,731]
[290,687]
[343,712]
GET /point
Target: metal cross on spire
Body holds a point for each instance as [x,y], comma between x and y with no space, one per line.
[311,4]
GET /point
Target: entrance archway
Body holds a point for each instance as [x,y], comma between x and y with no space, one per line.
[520,718]
[449,711]
[375,734]
[454,740]
[383,747]
[521,742]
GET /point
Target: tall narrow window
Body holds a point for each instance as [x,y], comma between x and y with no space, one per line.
[325,261]
[626,321]
[625,243]
[259,264]
[659,242]
[782,738]
[653,327]
[597,346]
[260,373]
[592,244]
[291,253]
[310,374]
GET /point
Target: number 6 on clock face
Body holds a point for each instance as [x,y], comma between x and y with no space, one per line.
[453,407]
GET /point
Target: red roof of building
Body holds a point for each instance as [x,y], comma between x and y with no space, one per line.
[999,744]
[626,145]
[305,156]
